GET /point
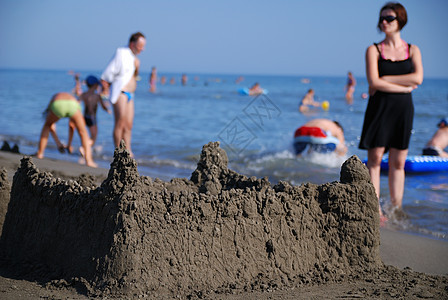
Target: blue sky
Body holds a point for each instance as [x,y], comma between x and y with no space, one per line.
[319,37]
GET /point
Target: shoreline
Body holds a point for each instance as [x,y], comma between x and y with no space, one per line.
[60,168]
[399,249]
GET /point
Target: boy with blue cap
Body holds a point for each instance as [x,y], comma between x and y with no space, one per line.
[91,99]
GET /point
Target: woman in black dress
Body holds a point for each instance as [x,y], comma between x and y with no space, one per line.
[394,69]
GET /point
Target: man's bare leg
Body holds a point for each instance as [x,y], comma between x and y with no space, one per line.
[120,120]
[124,119]
[127,133]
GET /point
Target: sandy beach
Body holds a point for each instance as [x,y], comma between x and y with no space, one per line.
[411,267]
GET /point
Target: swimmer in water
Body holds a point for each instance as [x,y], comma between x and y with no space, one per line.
[320,135]
[255,90]
[308,101]
[439,140]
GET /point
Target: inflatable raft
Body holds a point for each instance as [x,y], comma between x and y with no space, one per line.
[245,91]
[419,164]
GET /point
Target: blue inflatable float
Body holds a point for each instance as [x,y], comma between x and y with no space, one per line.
[245,91]
[419,164]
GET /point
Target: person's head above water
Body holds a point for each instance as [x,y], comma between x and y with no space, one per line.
[339,125]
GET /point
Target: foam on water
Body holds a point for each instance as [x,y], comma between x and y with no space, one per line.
[330,160]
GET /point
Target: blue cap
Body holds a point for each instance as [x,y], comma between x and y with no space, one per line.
[444,122]
[92,80]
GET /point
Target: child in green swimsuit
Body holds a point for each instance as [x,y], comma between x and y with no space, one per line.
[64,108]
[64,105]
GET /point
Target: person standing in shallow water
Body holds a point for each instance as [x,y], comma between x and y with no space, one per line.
[184,79]
[350,88]
[394,69]
[153,80]
[121,76]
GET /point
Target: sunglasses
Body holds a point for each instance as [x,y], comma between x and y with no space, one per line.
[388,19]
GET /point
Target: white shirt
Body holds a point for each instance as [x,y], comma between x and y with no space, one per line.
[119,71]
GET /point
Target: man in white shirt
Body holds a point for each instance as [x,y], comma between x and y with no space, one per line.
[120,76]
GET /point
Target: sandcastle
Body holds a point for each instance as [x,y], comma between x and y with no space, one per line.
[218,231]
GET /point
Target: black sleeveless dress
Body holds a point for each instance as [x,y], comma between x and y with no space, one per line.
[389,116]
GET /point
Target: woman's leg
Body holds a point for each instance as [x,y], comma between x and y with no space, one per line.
[349,95]
[397,160]
[51,119]
[80,124]
[374,157]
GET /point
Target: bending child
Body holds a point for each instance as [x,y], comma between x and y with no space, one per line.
[64,105]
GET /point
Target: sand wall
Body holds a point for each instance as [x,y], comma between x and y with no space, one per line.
[217,231]
[5,189]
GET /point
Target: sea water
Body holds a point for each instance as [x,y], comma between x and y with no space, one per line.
[173,124]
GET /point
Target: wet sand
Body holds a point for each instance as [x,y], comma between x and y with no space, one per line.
[351,275]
